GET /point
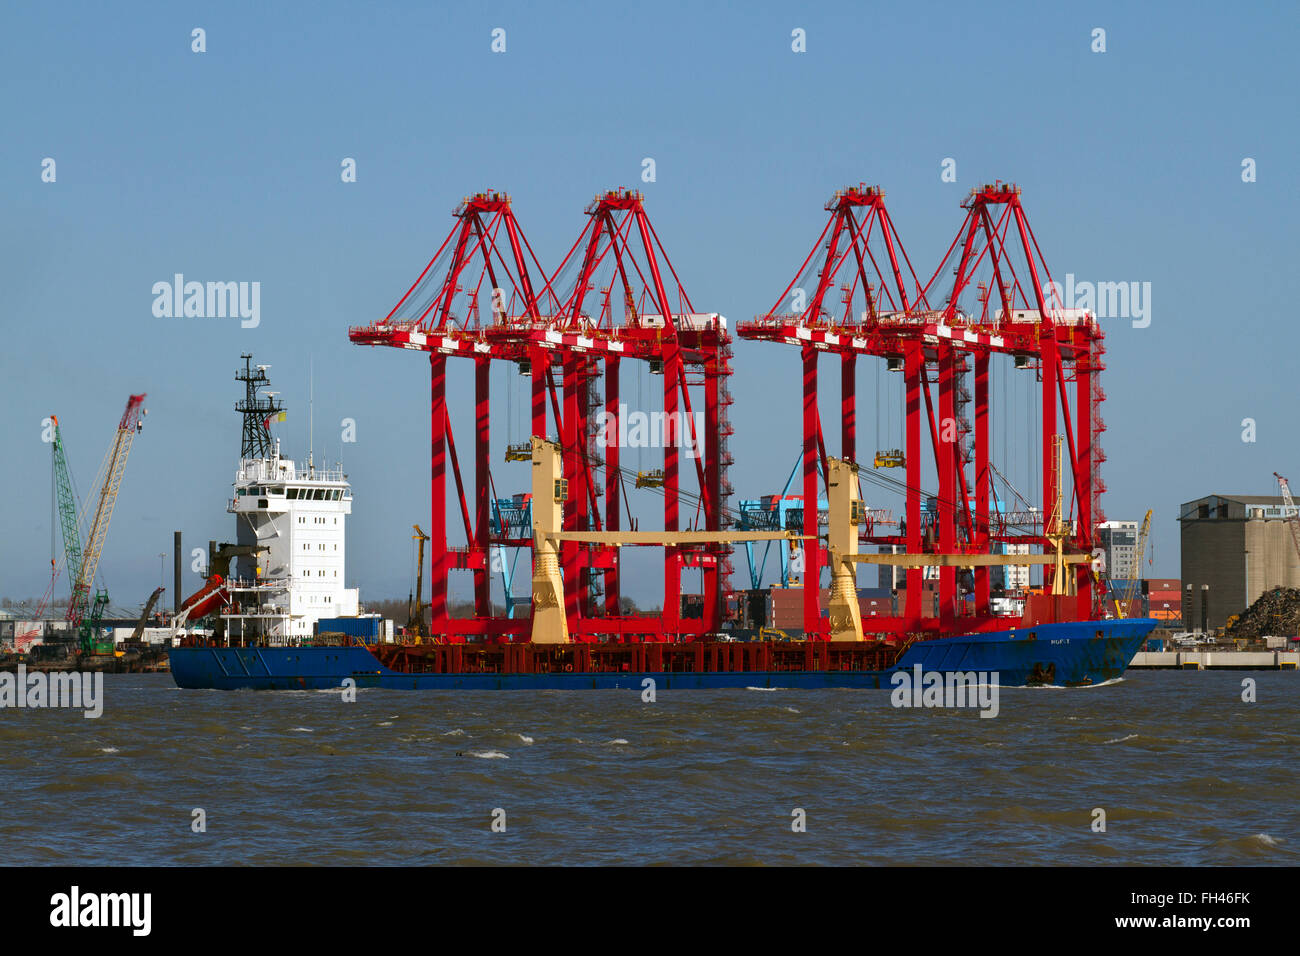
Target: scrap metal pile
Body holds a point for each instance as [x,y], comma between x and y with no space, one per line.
[1275,614]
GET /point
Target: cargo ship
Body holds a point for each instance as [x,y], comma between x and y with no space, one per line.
[279,585]
[989,312]
[1071,654]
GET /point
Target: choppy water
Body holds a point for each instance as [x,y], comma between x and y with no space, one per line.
[1186,772]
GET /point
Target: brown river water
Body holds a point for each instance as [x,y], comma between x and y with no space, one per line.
[1185,771]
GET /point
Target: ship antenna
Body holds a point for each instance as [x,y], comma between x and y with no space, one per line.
[311,411]
[256,410]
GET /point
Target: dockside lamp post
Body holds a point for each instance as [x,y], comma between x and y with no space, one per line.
[1205,608]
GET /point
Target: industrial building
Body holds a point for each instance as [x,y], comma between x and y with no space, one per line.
[1119,540]
[1234,548]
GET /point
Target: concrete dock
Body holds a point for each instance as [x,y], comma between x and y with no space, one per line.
[1217,660]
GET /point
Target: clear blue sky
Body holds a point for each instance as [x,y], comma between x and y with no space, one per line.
[225,166]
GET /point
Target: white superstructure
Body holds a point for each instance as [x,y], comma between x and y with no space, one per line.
[299,514]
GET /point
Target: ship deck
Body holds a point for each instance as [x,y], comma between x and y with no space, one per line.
[1061,654]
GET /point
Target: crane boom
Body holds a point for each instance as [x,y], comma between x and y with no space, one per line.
[1130,589]
[1293,516]
[89,559]
[67,507]
[72,555]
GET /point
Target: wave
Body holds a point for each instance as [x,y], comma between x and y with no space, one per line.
[1120,740]
[1105,683]
[487,754]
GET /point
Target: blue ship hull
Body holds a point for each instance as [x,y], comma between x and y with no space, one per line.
[1066,654]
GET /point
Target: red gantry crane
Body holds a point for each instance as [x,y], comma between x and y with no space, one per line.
[862,252]
[999,303]
[480,277]
[626,302]
[622,300]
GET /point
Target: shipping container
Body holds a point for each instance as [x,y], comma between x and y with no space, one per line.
[366,628]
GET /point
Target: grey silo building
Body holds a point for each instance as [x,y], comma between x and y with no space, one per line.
[1234,548]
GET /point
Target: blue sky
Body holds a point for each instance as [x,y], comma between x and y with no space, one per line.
[225,166]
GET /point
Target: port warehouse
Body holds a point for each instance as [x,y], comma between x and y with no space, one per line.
[1234,548]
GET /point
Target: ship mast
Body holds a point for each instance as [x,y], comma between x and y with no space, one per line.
[257,411]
